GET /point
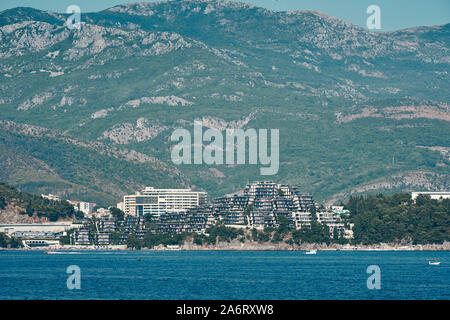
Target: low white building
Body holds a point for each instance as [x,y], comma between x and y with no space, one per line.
[301,219]
[86,207]
[433,195]
[53,227]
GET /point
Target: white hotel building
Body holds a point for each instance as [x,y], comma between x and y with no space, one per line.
[158,201]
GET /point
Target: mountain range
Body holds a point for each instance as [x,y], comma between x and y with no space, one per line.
[88,113]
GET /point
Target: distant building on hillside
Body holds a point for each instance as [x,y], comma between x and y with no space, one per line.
[103,238]
[301,219]
[159,201]
[107,225]
[81,237]
[51,197]
[183,221]
[340,211]
[262,204]
[331,219]
[101,212]
[85,207]
[133,225]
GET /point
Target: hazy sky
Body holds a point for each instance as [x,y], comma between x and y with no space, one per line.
[395,14]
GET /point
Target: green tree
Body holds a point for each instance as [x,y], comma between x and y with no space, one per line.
[313,211]
[397,218]
[133,242]
[117,213]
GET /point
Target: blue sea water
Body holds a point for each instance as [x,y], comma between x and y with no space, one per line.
[275,275]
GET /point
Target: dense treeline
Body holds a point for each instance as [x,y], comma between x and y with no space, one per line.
[213,235]
[397,218]
[9,242]
[36,205]
[317,233]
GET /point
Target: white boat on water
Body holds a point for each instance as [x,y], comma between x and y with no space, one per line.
[434,262]
[173,247]
[313,251]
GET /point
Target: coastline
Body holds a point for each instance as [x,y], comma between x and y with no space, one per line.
[250,246]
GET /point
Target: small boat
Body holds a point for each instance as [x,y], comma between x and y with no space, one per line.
[50,252]
[434,262]
[173,247]
[313,251]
